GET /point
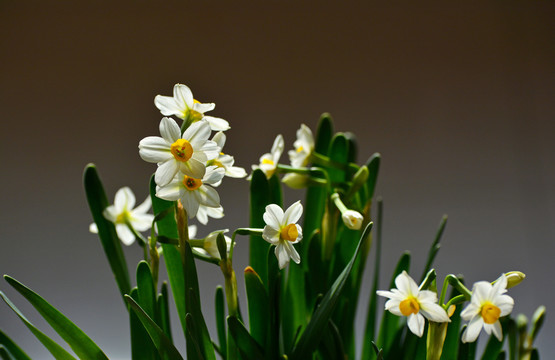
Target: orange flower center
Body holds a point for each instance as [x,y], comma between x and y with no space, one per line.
[289,232]
[409,306]
[191,183]
[181,150]
[490,313]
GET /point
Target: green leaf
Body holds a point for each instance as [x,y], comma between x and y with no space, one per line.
[537,322]
[369,347]
[467,351]
[247,345]
[259,199]
[193,348]
[451,344]
[220,319]
[390,323]
[312,335]
[145,288]
[201,331]
[339,153]
[15,351]
[159,338]
[373,165]
[111,244]
[164,311]
[435,247]
[324,134]
[83,346]
[56,350]
[494,346]
[142,347]
[258,305]
[5,354]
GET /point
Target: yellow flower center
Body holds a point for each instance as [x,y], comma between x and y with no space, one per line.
[300,148]
[268,161]
[181,150]
[409,306]
[121,218]
[289,232]
[490,313]
[191,183]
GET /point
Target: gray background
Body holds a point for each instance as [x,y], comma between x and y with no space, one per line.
[458,100]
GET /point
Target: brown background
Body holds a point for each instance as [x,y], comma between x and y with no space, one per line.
[458,99]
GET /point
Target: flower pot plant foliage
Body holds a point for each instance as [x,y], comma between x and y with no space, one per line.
[304,279]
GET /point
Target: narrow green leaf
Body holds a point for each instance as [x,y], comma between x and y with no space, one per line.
[258,305]
[5,354]
[83,346]
[502,355]
[96,197]
[435,247]
[537,322]
[164,310]
[145,287]
[259,199]
[220,320]
[201,331]
[373,165]
[312,335]
[160,340]
[167,227]
[338,342]
[451,344]
[324,134]
[56,350]
[534,354]
[274,294]
[12,347]
[371,318]
[142,347]
[390,323]
[193,347]
[247,345]
[512,334]
[339,153]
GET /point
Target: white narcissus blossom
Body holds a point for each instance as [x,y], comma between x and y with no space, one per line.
[226,161]
[487,304]
[269,161]
[408,300]
[352,219]
[282,230]
[122,213]
[204,212]
[193,192]
[210,247]
[304,145]
[174,152]
[185,107]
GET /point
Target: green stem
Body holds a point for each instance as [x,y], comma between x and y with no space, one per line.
[323,160]
[337,200]
[455,282]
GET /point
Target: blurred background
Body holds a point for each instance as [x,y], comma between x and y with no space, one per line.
[458,100]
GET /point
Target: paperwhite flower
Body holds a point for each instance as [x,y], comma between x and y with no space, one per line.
[352,219]
[283,231]
[185,107]
[408,300]
[193,192]
[226,161]
[173,152]
[204,212]
[122,212]
[210,247]
[487,304]
[269,161]
[304,145]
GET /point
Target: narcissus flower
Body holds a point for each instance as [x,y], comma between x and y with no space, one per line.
[487,304]
[185,107]
[204,212]
[283,231]
[269,161]
[352,219]
[210,246]
[408,300]
[226,161]
[193,192]
[123,215]
[304,145]
[173,152]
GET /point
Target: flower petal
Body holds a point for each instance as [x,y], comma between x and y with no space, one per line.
[93,228]
[270,234]
[165,172]
[273,216]
[183,95]
[144,207]
[124,234]
[124,200]
[434,312]
[154,149]
[293,254]
[169,130]
[219,138]
[416,324]
[473,329]
[496,327]
[282,255]
[167,105]
[197,134]
[293,213]
[217,124]
[202,108]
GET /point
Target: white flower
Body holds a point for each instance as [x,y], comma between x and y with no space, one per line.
[192,231]
[408,300]
[269,161]
[487,304]
[185,107]
[210,246]
[122,213]
[352,219]
[204,212]
[226,161]
[193,192]
[173,152]
[283,231]
[304,145]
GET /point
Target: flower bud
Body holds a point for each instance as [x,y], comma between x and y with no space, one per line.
[352,219]
[514,278]
[295,181]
